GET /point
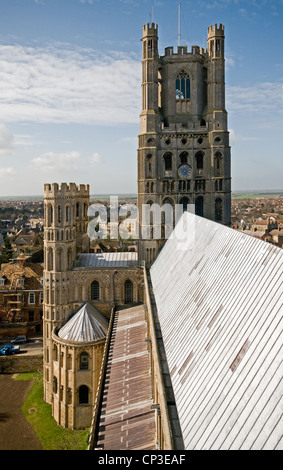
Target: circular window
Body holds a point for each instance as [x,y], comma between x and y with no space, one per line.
[217,139]
[184,141]
[167,141]
[200,140]
[150,141]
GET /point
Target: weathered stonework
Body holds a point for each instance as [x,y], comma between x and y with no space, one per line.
[66,288]
[183,122]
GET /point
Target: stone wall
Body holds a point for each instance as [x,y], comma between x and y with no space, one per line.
[17,364]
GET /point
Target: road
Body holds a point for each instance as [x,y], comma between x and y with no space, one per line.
[33,346]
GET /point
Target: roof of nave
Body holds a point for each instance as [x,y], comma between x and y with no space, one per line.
[87,324]
[107,260]
[219,297]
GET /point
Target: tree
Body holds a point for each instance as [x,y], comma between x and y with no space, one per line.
[7,252]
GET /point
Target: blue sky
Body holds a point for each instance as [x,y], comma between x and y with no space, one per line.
[70,94]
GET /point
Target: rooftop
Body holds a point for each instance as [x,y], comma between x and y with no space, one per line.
[127,419]
[219,303]
[87,324]
[107,260]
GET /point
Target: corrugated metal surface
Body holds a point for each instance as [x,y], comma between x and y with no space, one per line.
[127,420]
[107,260]
[220,310]
[87,324]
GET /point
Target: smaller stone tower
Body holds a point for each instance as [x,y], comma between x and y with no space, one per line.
[65,235]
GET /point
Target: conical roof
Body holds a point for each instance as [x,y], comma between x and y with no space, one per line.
[87,324]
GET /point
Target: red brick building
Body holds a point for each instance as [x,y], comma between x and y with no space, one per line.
[21,297]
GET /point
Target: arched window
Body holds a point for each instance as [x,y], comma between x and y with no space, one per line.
[55,385]
[184,201]
[218,210]
[129,297]
[199,206]
[218,164]
[148,165]
[95,290]
[184,158]
[59,214]
[183,87]
[168,162]
[68,213]
[55,353]
[83,395]
[49,215]
[69,258]
[84,361]
[59,258]
[77,209]
[49,259]
[199,161]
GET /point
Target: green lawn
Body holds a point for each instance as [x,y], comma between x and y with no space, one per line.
[38,414]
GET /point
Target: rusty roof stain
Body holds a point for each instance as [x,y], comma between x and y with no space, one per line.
[127,420]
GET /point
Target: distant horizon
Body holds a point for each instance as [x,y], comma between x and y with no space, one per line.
[128,195]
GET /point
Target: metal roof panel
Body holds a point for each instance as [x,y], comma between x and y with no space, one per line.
[219,303]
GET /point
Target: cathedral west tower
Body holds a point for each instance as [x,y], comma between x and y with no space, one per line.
[184,152]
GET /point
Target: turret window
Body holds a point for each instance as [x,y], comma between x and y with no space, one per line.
[83,395]
[95,294]
[184,158]
[199,163]
[168,162]
[218,210]
[84,361]
[68,213]
[183,86]
[218,164]
[128,291]
[148,165]
[59,214]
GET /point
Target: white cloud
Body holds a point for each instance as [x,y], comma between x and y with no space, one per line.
[94,159]
[24,140]
[58,84]
[264,100]
[6,140]
[237,137]
[7,172]
[51,161]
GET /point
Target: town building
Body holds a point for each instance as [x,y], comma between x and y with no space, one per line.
[21,297]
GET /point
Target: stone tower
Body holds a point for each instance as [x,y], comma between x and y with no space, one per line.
[183,150]
[65,235]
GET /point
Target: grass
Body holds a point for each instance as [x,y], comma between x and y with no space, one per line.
[38,414]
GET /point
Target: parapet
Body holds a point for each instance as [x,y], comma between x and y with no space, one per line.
[215,31]
[65,190]
[183,51]
[150,29]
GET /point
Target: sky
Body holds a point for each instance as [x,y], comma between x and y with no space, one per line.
[70,88]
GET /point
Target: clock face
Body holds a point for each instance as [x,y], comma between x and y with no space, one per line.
[185,171]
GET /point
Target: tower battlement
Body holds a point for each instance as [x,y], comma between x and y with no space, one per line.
[66,190]
[215,31]
[183,51]
[150,29]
